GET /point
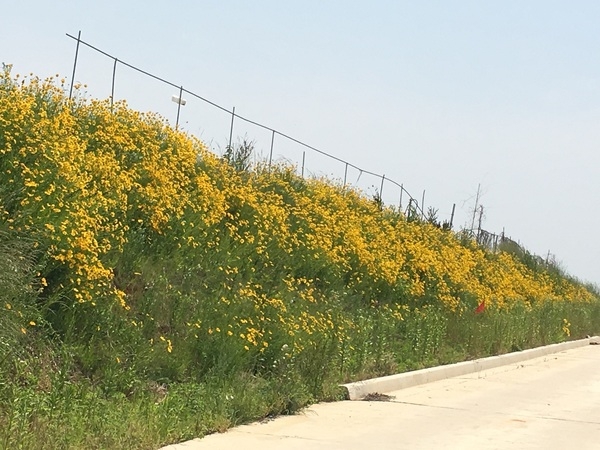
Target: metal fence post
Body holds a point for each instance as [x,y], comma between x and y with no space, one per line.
[179,106]
[401,192]
[231,129]
[271,152]
[75,64]
[112,87]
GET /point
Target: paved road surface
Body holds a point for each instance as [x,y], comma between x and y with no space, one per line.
[545,403]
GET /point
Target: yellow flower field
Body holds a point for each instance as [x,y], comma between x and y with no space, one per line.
[150,259]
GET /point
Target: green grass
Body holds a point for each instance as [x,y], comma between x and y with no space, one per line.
[70,395]
[152,293]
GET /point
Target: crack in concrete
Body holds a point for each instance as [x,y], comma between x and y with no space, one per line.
[561,419]
[285,436]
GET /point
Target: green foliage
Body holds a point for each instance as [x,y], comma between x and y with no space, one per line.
[151,292]
[240,155]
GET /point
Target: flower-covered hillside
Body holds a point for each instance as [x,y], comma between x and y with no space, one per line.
[135,257]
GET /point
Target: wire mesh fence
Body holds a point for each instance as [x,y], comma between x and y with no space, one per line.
[217,126]
[221,126]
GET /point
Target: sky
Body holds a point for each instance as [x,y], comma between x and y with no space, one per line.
[443,97]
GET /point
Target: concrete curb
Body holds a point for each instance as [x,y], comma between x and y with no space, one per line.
[359,389]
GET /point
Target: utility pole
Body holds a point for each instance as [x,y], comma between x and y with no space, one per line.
[480,220]
[475,208]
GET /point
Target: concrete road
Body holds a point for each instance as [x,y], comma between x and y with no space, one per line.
[545,403]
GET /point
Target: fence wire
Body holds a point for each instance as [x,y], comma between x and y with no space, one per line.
[414,207]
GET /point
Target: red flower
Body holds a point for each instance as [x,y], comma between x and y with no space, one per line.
[480,308]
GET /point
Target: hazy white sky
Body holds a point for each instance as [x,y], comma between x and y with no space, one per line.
[438,95]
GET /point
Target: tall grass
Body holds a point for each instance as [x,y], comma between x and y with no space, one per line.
[152,292]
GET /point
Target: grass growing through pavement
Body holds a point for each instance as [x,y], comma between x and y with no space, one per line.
[152,292]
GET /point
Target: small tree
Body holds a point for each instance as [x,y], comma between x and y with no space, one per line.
[239,156]
[377,199]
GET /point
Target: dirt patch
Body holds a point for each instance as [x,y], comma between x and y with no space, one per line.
[377,397]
